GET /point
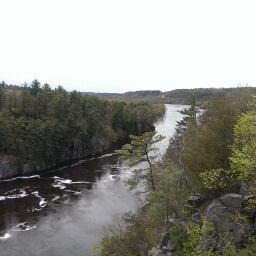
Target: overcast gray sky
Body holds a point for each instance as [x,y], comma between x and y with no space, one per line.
[118,46]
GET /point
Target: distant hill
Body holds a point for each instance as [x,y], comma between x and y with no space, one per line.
[177,96]
[143,93]
[107,94]
[127,95]
[202,94]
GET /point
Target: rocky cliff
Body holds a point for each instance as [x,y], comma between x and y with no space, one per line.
[11,166]
[232,216]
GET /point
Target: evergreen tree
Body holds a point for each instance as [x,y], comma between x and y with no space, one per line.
[140,150]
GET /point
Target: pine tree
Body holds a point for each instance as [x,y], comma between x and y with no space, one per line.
[140,150]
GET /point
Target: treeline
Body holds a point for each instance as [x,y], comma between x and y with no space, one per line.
[177,96]
[38,124]
[212,153]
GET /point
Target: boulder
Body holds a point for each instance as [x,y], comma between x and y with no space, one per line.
[165,245]
[196,200]
[170,222]
[197,218]
[164,248]
[157,252]
[195,203]
[221,213]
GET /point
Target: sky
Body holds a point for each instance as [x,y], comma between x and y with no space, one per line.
[131,45]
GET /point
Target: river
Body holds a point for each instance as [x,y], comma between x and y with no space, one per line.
[61,212]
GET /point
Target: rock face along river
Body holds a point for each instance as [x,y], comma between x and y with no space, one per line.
[61,212]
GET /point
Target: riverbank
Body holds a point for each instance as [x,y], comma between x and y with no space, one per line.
[62,211]
[40,127]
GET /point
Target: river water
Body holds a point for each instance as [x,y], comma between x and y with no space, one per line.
[61,212]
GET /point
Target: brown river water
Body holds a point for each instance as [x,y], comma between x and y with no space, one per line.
[61,212]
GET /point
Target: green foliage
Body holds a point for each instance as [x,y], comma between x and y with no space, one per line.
[215,179]
[242,159]
[141,149]
[190,115]
[38,124]
[248,250]
[193,240]
[244,150]
[178,238]
[204,145]
[204,151]
[171,191]
[136,234]
[201,152]
[177,148]
[127,235]
[2,95]
[201,240]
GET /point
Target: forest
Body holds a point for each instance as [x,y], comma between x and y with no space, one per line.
[176,96]
[43,127]
[200,197]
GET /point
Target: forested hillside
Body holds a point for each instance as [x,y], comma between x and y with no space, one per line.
[201,195]
[42,127]
[177,96]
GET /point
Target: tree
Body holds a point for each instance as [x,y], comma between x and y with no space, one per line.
[242,159]
[176,149]
[38,124]
[190,115]
[35,87]
[2,94]
[60,104]
[140,150]
[128,235]
[207,144]
[171,192]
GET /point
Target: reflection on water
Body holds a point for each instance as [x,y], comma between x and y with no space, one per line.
[61,212]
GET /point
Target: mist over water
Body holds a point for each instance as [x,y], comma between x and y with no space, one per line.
[61,212]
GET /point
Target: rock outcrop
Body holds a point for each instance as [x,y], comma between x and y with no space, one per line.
[11,166]
[222,213]
[158,252]
[8,167]
[164,248]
